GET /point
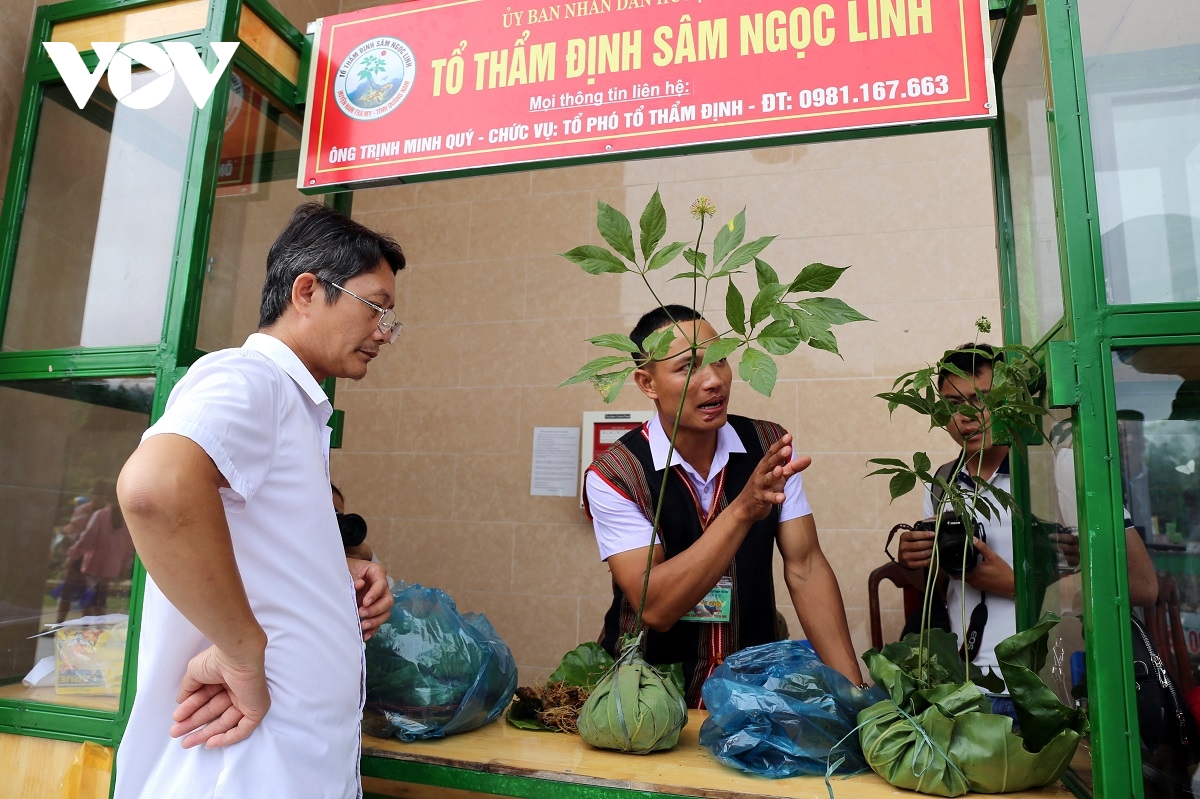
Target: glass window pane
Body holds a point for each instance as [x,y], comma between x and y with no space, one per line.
[98,230]
[1039,285]
[64,551]
[1158,404]
[256,193]
[1053,558]
[1142,62]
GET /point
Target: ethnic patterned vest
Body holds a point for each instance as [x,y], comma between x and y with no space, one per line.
[628,467]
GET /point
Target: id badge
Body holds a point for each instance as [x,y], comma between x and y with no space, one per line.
[715,605]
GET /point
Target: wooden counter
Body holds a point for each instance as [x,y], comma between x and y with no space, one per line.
[501,759]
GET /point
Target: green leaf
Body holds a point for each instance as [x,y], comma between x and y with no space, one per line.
[745,254]
[767,298]
[921,462]
[610,385]
[531,725]
[693,275]
[696,258]
[615,229]
[764,272]
[593,368]
[832,310]
[665,255]
[779,338]
[616,341]
[583,666]
[595,260]
[729,237]
[653,224]
[758,370]
[825,340]
[817,277]
[888,462]
[735,309]
[658,343]
[719,349]
[901,484]
[895,398]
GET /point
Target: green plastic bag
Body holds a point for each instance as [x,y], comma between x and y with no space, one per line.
[936,734]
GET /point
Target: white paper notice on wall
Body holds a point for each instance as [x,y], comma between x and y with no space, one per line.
[555,462]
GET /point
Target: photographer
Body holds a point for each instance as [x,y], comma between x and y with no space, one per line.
[987,592]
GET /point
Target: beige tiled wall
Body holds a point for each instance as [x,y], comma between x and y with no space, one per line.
[438,445]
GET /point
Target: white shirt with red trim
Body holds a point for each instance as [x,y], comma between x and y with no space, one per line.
[620,525]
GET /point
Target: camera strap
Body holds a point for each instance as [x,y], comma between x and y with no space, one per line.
[973,638]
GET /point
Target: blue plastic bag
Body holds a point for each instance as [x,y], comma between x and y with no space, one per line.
[777,711]
[432,671]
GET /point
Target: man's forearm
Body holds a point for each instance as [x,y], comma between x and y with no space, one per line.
[679,583]
[169,492]
[818,602]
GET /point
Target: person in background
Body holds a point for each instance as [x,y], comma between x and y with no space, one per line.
[353,529]
[251,647]
[733,495]
[104,552]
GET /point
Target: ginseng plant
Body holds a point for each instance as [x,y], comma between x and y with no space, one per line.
[777,321]
[1009,411]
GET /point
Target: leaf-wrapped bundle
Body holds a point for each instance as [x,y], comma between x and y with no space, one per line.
[634,708]
[939,737]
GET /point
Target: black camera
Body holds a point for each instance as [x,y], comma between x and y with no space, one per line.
[353,529]
[951,542]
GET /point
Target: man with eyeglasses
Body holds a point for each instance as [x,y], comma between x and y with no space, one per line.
[252,631]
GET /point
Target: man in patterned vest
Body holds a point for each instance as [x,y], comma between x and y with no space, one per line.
[734,493]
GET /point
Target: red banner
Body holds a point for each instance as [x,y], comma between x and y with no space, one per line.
[452,85]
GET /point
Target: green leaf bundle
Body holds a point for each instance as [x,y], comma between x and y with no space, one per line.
[936,734]
[634,709]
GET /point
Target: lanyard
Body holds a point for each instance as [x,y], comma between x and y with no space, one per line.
[705,520]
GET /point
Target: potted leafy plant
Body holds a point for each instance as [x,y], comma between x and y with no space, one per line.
[636,708]
[936,732]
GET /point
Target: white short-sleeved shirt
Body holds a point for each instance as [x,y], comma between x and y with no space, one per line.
[621,526]
[1002,610]
[261,417]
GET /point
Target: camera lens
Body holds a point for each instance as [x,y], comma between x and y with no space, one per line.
[353,529]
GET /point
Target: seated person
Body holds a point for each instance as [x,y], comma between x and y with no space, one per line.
[733,494]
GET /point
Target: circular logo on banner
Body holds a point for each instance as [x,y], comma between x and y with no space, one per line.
[375,78]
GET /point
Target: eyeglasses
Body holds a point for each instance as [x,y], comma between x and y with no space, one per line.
[388,324]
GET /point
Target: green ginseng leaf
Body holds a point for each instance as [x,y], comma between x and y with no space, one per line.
[593,368]
[921,462]
[696,258]
[779,338]
[693,275]
[735,309]
[658,343]
[758,370]
[653,225]
[729,237]
[766,299]
[615,341]
[896,398]
[888,462]
[901,483]
[817,277]
[665,255]
[832,310]
[595,260]
[609,385]
[745,254]
[615,229]
[765,273]
[825,340]
[720,349]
